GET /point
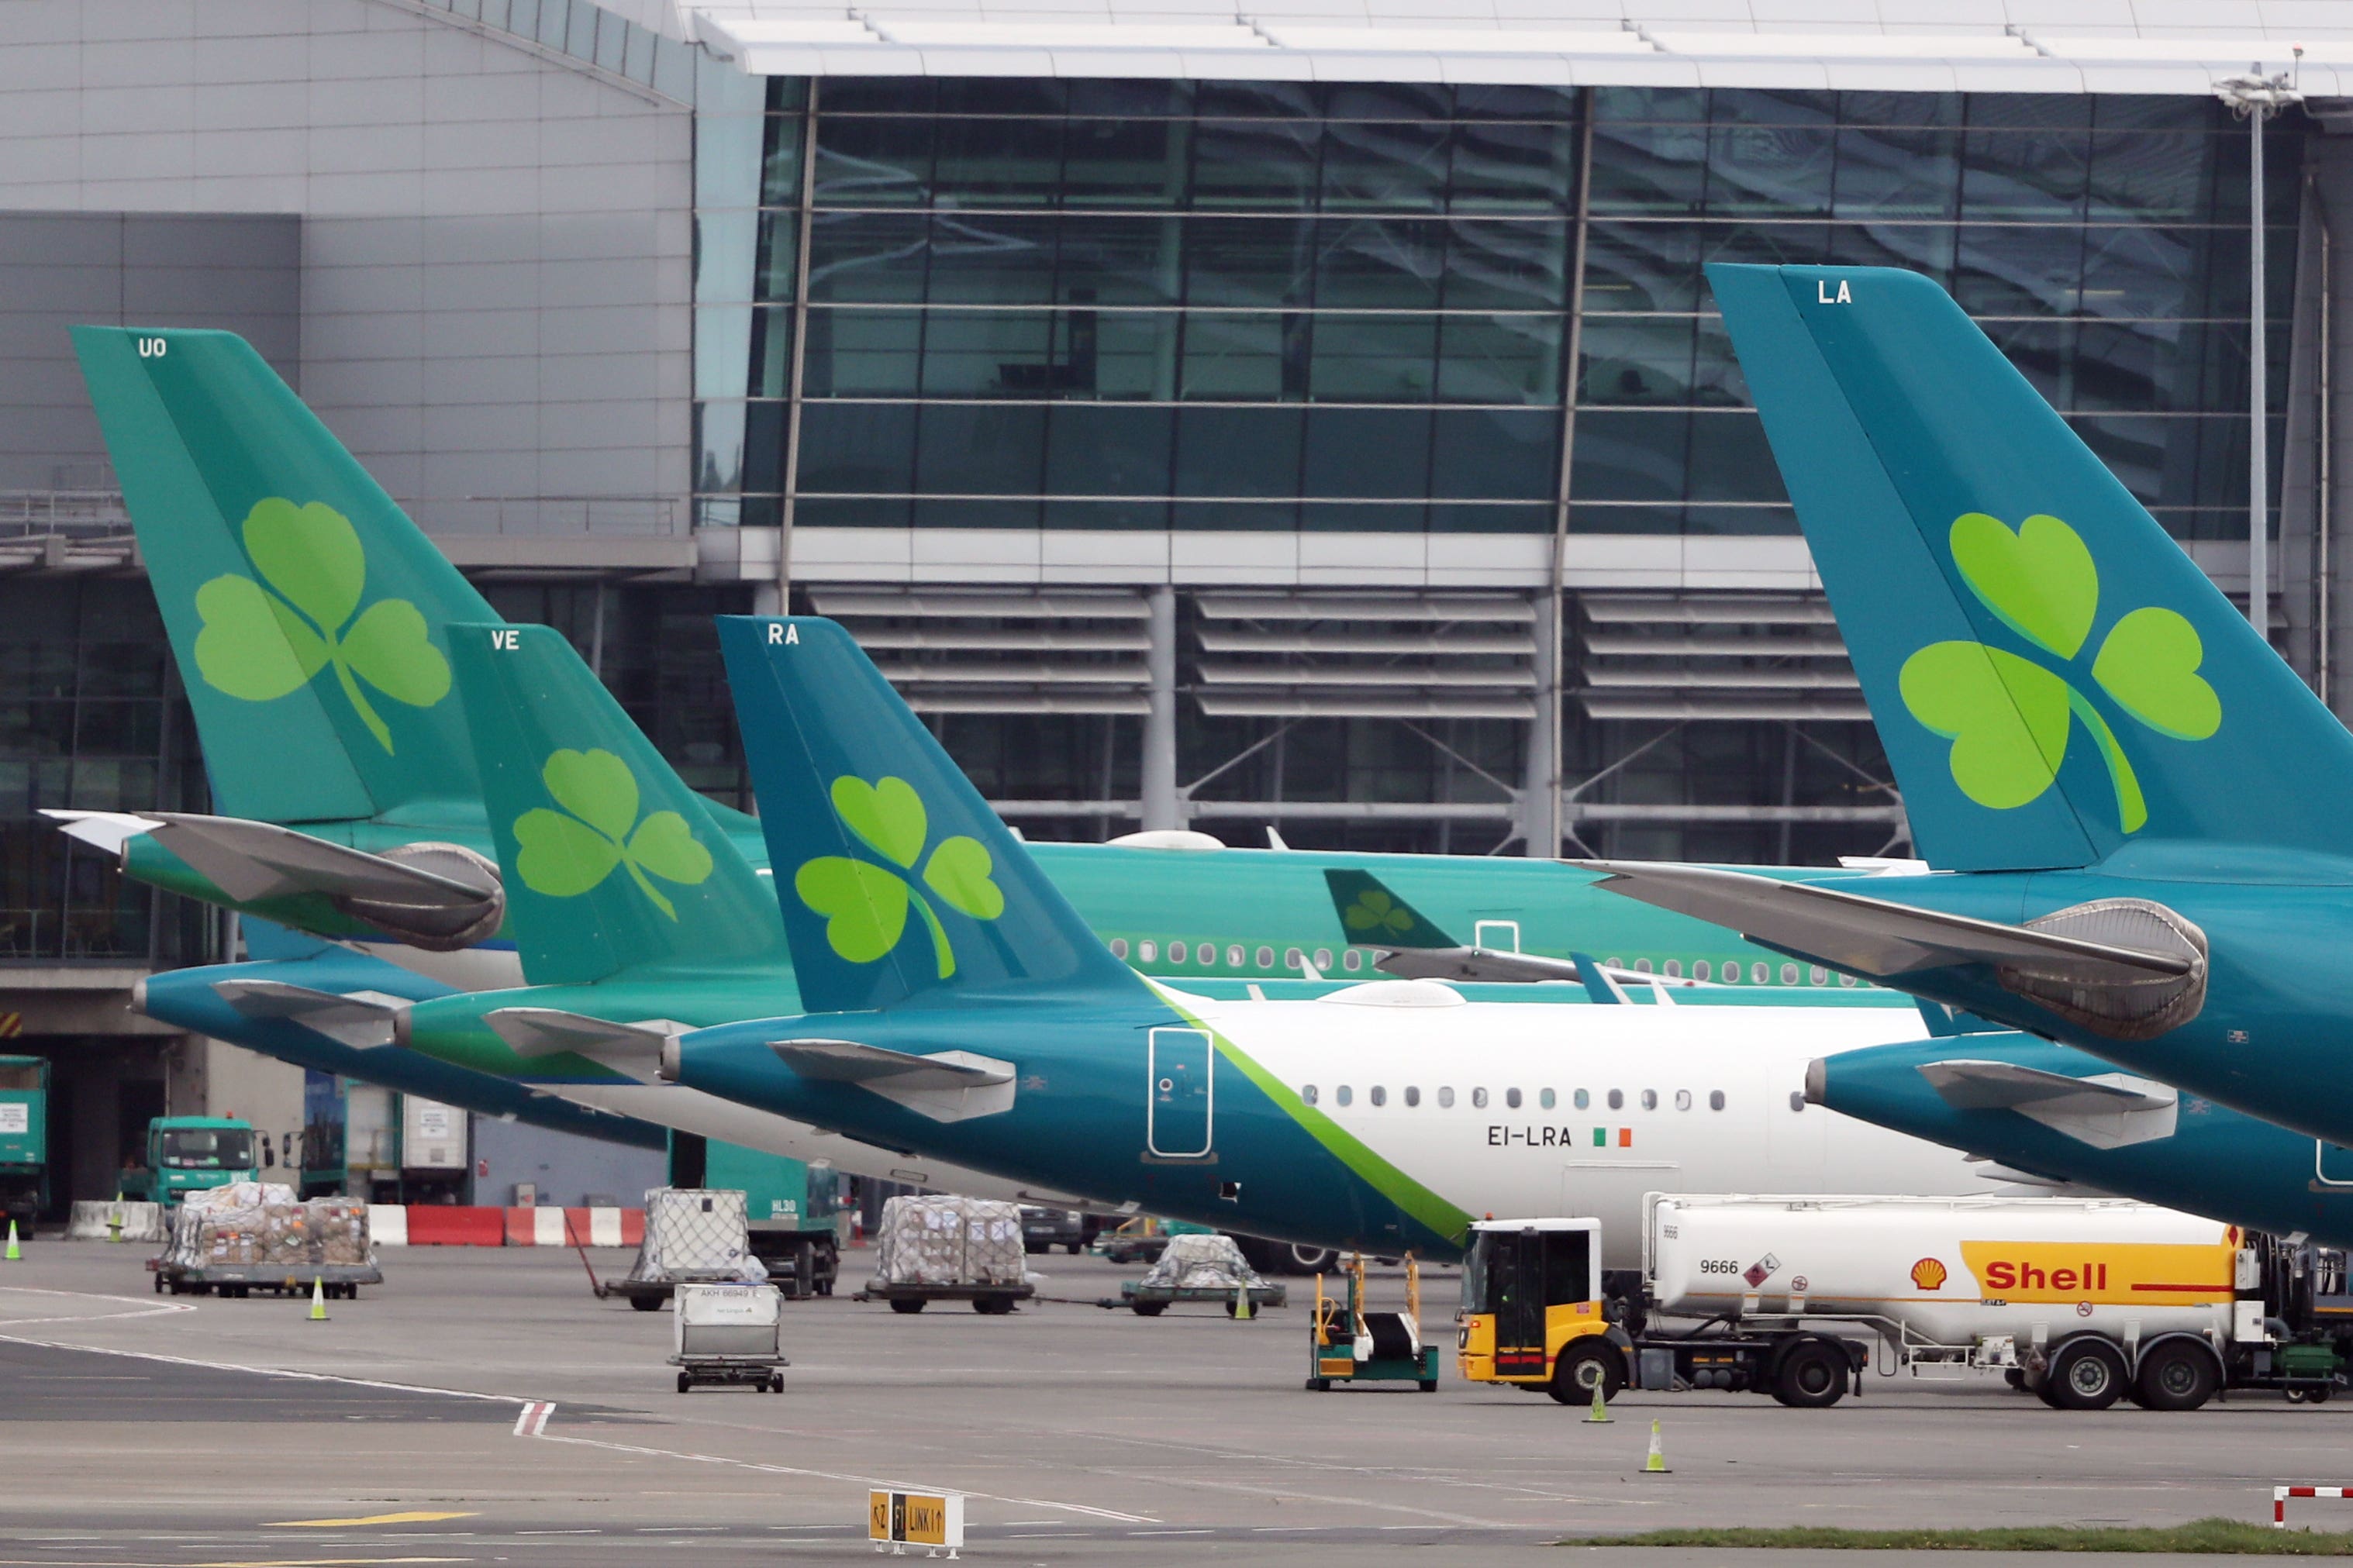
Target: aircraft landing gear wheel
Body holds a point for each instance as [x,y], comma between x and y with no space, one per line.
[2088,1374]
[2177,1375]
[1811,1376]
[1581,1366]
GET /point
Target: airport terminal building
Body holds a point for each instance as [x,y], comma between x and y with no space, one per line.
[1309,415]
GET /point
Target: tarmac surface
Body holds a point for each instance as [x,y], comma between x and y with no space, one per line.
[139,1429]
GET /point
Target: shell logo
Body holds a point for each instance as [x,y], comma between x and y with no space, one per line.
[1929,1274]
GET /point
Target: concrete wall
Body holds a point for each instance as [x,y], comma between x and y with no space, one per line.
[495,244]
[566,1168]
[60,270]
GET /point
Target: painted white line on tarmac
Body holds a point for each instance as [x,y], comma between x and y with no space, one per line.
[874,1483]
[144,1309]
[256,1371]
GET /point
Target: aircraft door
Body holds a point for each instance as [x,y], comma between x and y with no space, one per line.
[1180,1093]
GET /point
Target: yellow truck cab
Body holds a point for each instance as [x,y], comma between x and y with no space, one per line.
[1532,1309]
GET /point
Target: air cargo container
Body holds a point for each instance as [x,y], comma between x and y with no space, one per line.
[2082,1301]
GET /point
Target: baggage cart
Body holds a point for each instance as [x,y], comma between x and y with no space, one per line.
[728,1334]
[339,1281]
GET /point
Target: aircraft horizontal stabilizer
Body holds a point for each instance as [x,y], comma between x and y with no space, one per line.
[1474,964]
[249,860]
[360,1019]
[2109,1111]
[1874,937]
[631,1049]
[949,1087]
[106,831]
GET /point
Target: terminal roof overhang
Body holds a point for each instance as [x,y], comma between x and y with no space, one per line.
[1971,46]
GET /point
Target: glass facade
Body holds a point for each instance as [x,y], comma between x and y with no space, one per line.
[1202,305]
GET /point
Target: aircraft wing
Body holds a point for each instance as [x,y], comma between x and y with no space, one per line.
[360,1019]
[1872,937]
[631,1049]
[249,860]
[877,1066]
[2110,1111]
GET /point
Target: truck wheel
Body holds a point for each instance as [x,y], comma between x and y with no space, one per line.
[1811,1376]
[646,1303]
[907,1304]
[1075,1247]
[1582,1365]
[2177,1375]
[2088,1374]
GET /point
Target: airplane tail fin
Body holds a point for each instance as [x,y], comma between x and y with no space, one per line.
[2052,677]
[304,606]
[609,861]
[1373,914]
[897,882]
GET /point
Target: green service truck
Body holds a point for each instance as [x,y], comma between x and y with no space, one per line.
[192,1153]
[789,1207]
[23,1138]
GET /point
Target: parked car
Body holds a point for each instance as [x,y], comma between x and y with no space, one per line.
[1044,1229]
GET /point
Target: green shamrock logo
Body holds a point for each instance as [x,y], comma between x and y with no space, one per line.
[1375,912]
[2009,717]
[564,855]
[259,644]
[865,905]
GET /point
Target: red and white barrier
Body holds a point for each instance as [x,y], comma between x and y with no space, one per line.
[2281,1494]
[445,1224]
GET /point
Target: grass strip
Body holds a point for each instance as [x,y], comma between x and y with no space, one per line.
[2217,1537]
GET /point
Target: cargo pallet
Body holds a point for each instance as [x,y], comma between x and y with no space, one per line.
[1392,1341]
[339,1281]
[1151,1300]
[991,1299]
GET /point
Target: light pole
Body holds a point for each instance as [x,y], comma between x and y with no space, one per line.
[2252,97]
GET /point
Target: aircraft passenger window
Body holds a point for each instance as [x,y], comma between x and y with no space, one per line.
[1119,947]
[1716,1099]
[1351,959]
[1175,952]
[1445,1099]
[1207,953]
[1704,970]
[1760,972]
[1412,1096]
[1732,972]
[1233,957]
[1294,959]
[1479,1100]
[1650,1100]
[1683,1100]
[1322,958]
[1818,975]
[1796,1100]
[1674,969]
[1643,967]
[1379,1096]
[1340,1096]
[1848,980]
[1616,1099]
[1789,974]
[1265,958]
[1512,1097]
[1614,962]
[1545,1099]
[1308,1094]
[1148,951]
[1581,1100]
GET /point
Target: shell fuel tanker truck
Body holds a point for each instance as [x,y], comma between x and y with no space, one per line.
[2082,1301]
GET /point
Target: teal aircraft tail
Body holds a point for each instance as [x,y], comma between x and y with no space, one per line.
[609,861]
[1373,914]
[304,608]
[2053,678]
[896,881]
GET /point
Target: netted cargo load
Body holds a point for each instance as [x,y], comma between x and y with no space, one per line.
[948,1240]
[1200,1263]
[262,1225]
[694,1233]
